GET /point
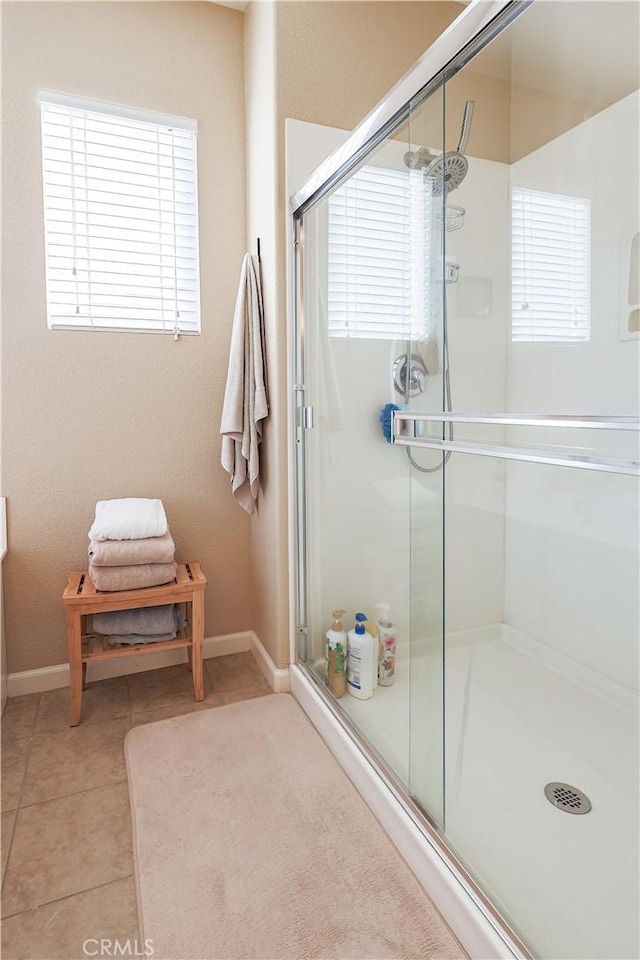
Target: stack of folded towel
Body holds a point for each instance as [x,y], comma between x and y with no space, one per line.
[130,547]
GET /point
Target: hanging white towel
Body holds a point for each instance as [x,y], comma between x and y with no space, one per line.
[245,399]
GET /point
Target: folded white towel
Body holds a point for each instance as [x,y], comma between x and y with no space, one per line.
[133,518]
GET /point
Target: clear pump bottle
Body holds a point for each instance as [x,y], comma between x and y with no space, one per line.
[336,656]
[386,645]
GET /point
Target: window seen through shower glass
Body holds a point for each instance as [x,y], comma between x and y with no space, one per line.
[379,241]
[550,266]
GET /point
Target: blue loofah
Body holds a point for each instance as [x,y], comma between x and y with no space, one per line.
[386,417]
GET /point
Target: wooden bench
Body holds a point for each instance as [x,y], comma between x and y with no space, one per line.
[82,599]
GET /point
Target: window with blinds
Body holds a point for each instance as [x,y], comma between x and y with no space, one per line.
[550,267]
[379,236]
[121,221]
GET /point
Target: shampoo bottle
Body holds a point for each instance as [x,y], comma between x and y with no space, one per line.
[336,654]
[360,660]
[386,645]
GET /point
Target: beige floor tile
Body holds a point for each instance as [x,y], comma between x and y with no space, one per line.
[161,688]
[233,696]
[67,846]
[15,754]
[19,716]
[175,710]
[57,931]
[103,700]
[6,829]
[237,671]
[74,759]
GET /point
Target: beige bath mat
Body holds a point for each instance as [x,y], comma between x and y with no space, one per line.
[250,842]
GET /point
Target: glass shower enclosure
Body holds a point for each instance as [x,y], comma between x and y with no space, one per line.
[466,393]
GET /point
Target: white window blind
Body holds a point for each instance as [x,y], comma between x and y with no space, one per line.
[550,266]
[121,228]
[379,236]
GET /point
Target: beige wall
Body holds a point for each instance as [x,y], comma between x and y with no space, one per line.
[337,59]
[88,415]
[269,553]
[509,120]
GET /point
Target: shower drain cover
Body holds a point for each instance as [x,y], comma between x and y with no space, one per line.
[567,798]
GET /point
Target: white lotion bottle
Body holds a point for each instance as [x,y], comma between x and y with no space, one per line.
[387,645]
[361,654]
[372,629]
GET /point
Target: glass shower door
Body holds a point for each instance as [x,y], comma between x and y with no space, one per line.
[541,497]
[363,346]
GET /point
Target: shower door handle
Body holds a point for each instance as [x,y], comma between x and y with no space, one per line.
[307,418]
[404,434]
[517,419]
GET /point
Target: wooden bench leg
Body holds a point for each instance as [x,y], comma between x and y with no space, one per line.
[197,634]
[74,649]
[83,627]
[189,651]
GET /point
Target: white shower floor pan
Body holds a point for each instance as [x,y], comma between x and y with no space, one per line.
[516,720]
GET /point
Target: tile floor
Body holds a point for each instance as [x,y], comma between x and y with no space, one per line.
[66,830]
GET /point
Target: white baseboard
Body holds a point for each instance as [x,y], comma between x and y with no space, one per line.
[37,681]
[278,678]
[50,678]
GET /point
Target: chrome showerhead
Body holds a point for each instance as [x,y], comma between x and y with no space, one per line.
[446,171]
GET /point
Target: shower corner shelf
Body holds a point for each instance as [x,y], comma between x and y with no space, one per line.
[453,217]
[451,271]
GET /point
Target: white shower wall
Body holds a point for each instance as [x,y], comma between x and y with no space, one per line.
[571,536]
[477,320]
